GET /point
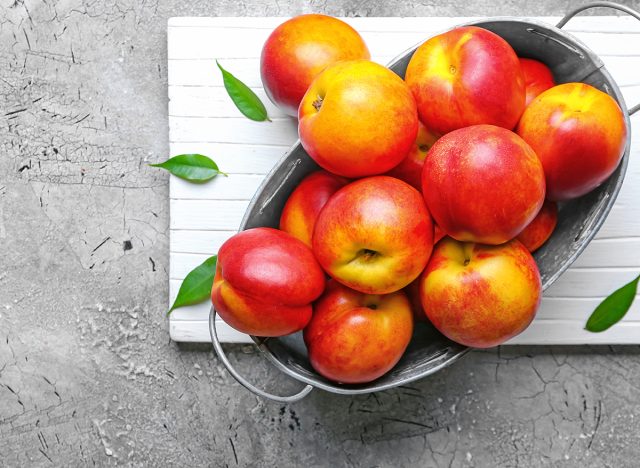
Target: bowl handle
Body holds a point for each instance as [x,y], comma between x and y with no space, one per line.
[615,6]
[241,380]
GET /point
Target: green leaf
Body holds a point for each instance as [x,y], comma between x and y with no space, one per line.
[613,308]
[245,100]
[192,167]
[196,287]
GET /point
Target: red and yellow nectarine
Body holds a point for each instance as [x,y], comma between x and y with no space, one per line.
[355,337]
[299,49]
[410,169]
[466,76]
[480,295]
[537,78]
[357,119]
[374,235]
[265,282]
[482,184]
[579,134]
[540,229]
[301,210]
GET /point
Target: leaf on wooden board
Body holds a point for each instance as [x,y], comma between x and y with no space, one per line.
[613,308]
[196,286]
[195,168]
[243,97]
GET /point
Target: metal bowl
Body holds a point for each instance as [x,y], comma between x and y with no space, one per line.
[578,219]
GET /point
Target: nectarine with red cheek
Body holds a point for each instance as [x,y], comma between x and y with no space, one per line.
[540,229]
[410,169]
[355,337]
[482,184]
[537,78]
[374,235]
[299,49]
[579,133]
[303,206]
[480,295]
[265,282]
[466,76]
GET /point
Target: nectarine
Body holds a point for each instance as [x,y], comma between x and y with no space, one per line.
[579,134]
[540,229]
[537,78]
[355,337]
[466,76]
[480,295]
[482,184]
[301,210]
[410,169]
[299,49]
[357,119]
[265,282]
[374,235]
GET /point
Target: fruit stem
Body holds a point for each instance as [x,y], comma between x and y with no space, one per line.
[368,254]
[467,251]
[318,103]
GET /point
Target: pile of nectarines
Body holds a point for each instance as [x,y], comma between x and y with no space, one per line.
[434,190]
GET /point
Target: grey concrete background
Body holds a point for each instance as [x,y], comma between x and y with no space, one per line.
[88,374]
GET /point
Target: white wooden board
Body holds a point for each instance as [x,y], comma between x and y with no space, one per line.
[203,119]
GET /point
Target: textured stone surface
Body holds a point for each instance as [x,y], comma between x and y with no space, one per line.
[87,372]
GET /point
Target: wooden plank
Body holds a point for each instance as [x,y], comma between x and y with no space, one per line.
[232,158]
[615,252]
[202,214]
[551,308]
[539,333]
[198,312]
[247,43]
[578,309]
[618,253]
[234,187]
[198,242]
[198,332]
[210,101]
[198,73]
[204,72]
[282,131]
[575,282]
[549,332]
[604,23]
[207,102]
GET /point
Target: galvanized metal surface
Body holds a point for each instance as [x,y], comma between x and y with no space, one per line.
[579,219]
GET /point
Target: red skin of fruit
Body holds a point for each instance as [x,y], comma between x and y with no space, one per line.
[579,134]
[299,215]
[466,76]
[541,228]
[299,49]
[265,282]
[410,169]
[483,184]
[480,295]
[355,337]
[374,235]
[537,78]
[357,119]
